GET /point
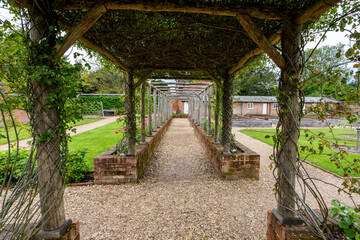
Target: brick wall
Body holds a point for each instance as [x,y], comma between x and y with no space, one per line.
[114,169]
[245,164]
[178,107]
[276,231]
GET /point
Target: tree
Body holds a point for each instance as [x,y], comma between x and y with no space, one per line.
[258,78]
[326,72]
[103,80]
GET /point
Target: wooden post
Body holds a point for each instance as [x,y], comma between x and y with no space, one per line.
[205,111]
[155,112]
[130,112]
[143,134]
[227,112]
[45,120]
[289,114]
[216,112]
[201,109]
[149,112]
[158,110]
[209,111]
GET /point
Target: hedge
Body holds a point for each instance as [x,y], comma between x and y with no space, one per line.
[109,102]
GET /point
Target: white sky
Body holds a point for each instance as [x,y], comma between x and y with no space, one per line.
[333,38]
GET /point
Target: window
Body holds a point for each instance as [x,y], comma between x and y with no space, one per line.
[250,105]
[275,105]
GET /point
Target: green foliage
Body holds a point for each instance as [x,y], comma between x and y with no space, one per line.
[109,102]
[349,219]
[15,164]
[76,167]
[326,73]
[257,78]
[103,80]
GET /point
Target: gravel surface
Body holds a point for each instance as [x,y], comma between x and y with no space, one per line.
[180,197]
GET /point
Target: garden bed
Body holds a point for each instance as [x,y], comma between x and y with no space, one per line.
[117,169]
[244,163]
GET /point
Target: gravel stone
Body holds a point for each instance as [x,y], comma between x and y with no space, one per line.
[179,197]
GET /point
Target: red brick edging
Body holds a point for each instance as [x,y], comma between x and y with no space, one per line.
[115,169]
[236,166]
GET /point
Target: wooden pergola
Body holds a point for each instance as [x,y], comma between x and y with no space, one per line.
[210,39]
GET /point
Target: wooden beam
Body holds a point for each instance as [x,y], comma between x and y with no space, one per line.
[80,29]
[182,78]
[259,38]
[111,57]
[143,79]
[315,10]
[273,39]
[215,79]
[258,11]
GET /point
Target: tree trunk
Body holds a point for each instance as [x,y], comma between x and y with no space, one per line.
[289,114]
[130,112]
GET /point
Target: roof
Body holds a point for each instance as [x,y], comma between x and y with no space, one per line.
[272,99]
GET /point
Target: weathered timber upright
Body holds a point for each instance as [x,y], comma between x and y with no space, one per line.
[289,113]
[143,92]
[227,112]
[130,112]
[45,120]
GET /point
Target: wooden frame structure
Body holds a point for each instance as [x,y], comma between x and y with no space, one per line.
[251,20]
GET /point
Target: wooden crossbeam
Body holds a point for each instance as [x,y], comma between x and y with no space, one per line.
[111,57]
[144,78]
[272,39]
[315,11]
[215,79]
[261,12]
[80,29]
[181,78]
[259,38]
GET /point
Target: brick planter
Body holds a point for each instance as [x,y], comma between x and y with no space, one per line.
[277,231]
[114,169]
[245,164]
[180,116]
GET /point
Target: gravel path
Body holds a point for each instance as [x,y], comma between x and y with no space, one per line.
[180,197]
[79,129]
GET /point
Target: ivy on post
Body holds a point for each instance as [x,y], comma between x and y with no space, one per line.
[130,112]
[149,112]
[46,120]
[216,115]
[205,111]
[143,92]
[289,114]
[209,111]
[227,112]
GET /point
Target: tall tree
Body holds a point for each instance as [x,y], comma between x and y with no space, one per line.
[258,78]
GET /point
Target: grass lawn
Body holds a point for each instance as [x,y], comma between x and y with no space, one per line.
[322,160]
[96,141]
[23,132]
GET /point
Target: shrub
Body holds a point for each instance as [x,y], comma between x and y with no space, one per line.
[109,102]
[17,164]
[76,168]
